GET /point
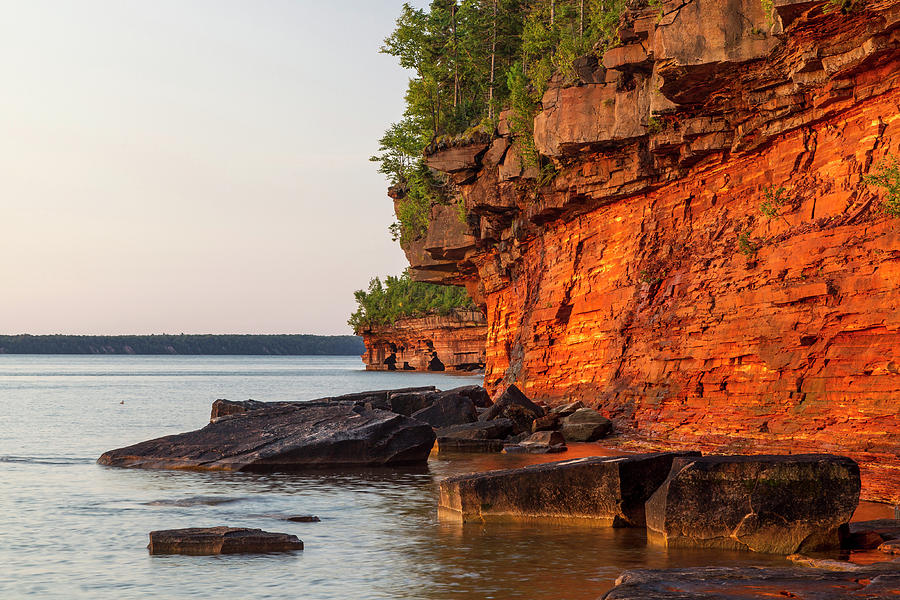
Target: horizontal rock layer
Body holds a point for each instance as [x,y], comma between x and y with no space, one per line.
[458,339]
[708,266]
[605,490]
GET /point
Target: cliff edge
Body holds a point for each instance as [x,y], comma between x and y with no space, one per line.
[708,266]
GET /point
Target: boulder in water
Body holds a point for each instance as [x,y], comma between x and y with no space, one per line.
[221,540]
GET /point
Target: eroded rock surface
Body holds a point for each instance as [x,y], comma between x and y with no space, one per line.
[605,490]
[285,438]
[221,540]
[723,583]
[773,504]
[646,279]
[515,406]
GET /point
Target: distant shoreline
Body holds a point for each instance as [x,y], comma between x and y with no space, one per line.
[186,344]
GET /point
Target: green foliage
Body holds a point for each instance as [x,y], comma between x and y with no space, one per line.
[887,177]
[845,6]
[654,125]
[768,7]
[397,297]
[228,344]
[747,245]
[774,200]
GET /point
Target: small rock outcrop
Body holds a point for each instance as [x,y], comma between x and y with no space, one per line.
[515,406]
[287,437]
[774,504]
[585,425]
[741,583]
[221,540]
[605,490]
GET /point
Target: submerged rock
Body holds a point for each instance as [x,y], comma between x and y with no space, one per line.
[285,438]
[606,490]
[774,504]
[221,540]
[722,583]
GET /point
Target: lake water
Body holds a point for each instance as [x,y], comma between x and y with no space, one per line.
[72,529]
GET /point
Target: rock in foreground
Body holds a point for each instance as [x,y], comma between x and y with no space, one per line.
[221,540]
[774,504]
[286,438]
[722,583]
[606,490]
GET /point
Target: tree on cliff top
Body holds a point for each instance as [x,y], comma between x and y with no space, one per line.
[467,59]
[398,297]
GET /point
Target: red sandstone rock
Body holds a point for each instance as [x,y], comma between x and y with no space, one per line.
[458,339]
[624,281]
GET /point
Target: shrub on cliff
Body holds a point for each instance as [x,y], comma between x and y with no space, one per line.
[887,177]
[398,297]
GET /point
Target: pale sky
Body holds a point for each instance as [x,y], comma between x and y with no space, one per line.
[196,166]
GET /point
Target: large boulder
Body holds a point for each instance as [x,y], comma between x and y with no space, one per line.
[773,504]
[221,540]
[447,410]
[286,438]
[873,582]
[607,490]
[480,436]
[516,406]
[585,425]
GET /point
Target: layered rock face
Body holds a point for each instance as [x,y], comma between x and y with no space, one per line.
[458,339]
[707,267]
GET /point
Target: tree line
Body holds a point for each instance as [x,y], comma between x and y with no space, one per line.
[470,59]
[397,297]
[279,345]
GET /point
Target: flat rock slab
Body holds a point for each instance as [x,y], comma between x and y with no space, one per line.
[287,438]
[721,583]
[605,490]
[221,540]
[773,504]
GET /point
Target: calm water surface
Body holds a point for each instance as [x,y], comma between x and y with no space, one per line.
[72,529]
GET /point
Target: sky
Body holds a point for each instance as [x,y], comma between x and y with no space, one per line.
[192,166]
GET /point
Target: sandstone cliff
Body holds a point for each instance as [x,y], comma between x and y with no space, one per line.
[457,338]
[707,267]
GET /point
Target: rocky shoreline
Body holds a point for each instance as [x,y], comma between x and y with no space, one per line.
[774,504]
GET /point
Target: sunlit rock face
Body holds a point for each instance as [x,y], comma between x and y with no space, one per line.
[457,338]
[649,280]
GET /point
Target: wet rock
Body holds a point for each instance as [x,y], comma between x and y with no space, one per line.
[287,438]
[774,504]
[883,534]
[516,406]
[304,519]
[723,583]
[890,547]
[605,490]
[497,429]
[469,445]
[447,410]
[549,422]
[409,402]
[585,425]
[481,436]
[565,410]
[221,540]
